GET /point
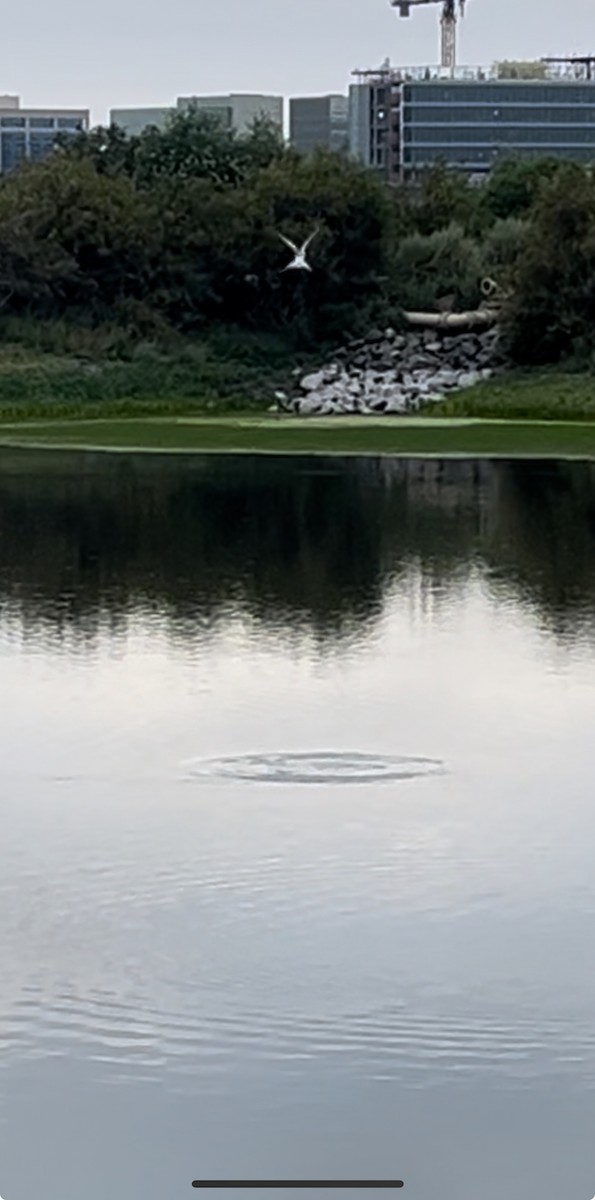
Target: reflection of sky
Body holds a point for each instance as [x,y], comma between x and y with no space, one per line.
[479,687]
[217,979]
[240,691]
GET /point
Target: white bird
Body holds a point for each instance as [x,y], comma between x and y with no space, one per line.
[299,262]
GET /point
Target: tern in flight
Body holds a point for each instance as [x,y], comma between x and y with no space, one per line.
[299,262]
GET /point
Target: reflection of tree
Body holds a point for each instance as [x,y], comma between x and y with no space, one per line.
[544,540]
[89,540]
[104,536]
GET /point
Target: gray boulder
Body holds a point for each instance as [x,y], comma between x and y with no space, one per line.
[397,373]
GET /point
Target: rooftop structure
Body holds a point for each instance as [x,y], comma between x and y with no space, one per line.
[581,66]
[554,70]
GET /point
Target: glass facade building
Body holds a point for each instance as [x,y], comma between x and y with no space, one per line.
[469,125]
[134,120]
[402,125]
[319,121]
[31,133]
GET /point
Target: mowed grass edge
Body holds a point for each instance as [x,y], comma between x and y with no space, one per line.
[334,435]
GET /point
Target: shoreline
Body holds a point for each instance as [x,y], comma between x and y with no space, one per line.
[338,437]
[423,456]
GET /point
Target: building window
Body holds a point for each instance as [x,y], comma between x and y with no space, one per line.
[41,122]
[12,122]
[73,123]
[40,145]
[483,114]
[14,150]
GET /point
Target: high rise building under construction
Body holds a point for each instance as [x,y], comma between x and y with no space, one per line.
[403,121]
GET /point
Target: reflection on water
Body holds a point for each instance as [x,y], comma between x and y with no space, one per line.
[203,975]
[101,541]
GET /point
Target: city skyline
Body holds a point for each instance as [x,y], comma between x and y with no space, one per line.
[130,54]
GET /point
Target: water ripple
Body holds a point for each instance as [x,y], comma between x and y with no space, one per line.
[323,766]
[389,1043]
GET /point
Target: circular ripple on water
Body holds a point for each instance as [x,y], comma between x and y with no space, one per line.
[318,767]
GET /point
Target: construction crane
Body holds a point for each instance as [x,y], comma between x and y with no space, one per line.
[448,26]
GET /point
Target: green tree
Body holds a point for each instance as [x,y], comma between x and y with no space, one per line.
[70,238]
[514,186]
[223,249]
[501,248]
[352,210]
[443,196]
[178,228]
[110,150]
[195,145]
[553,311]
[441,266]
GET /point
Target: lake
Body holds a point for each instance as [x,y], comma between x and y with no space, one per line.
[245,933]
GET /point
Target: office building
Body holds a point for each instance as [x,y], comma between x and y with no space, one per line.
[134,120]
[235,111]
[238,111]
[30,133]
[402,122]
[375,123]
[319,121]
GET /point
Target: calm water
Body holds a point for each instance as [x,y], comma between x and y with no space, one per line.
[290,961]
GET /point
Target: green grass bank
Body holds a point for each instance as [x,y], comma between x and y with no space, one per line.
[553,395]
[61,385]
[330,435]
[53,369]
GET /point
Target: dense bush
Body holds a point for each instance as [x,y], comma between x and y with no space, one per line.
[177,230]
[443,268]
[515,184]
[185,223]
[552,314]
[501,248]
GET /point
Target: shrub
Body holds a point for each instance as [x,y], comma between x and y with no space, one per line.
[553,310]
[444,266]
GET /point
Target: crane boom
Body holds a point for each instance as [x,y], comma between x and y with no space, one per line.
[448,26]
[448,35]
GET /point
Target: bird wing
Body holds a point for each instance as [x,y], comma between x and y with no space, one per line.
[307,242]
[288,242]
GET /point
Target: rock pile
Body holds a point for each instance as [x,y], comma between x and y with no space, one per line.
[395,373]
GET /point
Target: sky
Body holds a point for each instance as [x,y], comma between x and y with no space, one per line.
[124,53]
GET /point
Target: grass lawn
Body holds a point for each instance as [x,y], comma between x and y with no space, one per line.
[553,395]
[325,435]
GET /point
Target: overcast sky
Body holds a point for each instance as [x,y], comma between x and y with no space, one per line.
[139,52]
